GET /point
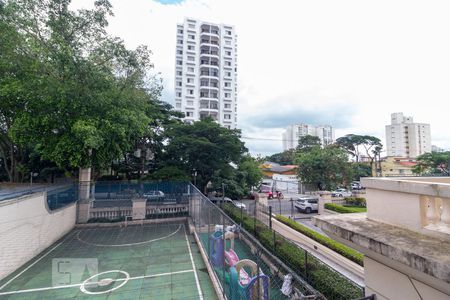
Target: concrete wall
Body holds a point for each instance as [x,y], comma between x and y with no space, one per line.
[27,227]
[389,284]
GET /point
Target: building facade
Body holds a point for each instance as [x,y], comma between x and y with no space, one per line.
[293,132]
[404,138]
[206,71]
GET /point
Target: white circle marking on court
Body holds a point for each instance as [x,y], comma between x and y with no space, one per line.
[125,280]
[130,244]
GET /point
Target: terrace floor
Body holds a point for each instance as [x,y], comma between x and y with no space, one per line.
[134,262]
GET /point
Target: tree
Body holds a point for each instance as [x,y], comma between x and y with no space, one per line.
[77,95]
[326,168]
[205,147]
[351,143]
[307,142]
[433,163]
[284,158]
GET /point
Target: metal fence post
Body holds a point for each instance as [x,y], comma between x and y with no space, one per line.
[306,265]
[292,208]
[270,217]
[274,241]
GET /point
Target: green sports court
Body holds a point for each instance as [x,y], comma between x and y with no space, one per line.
[134,262]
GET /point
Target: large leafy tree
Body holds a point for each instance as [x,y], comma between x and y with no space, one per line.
[325,168]
[76,94]
[433,163]
[205,148]
[352,144]
[307,142]
[283,158]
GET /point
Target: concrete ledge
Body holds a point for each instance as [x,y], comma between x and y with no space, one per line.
[424,253]
[430,186]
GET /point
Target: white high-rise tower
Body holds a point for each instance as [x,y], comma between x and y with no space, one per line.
[404,138]
[205,72]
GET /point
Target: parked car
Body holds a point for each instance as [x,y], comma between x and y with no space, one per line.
[219,200]
[356,185]
[341,193]
[154,195]
[307,204]
[239,204]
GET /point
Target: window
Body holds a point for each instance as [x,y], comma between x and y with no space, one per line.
[178,94]
[191,103]
[190,47]
[178,105]
[179,62]
[227,117]
[178,83]
[180,31]
[191,92]
[228,53]
[227,42]
[191,37]
[228,74]
[179,51]
[190,69]
[190,80]
[180,41]
[191,25]
[227,63]
[189,114]
[228,32]
[179,73]
[227,84]
[191,58]
[227,105]
[227,95]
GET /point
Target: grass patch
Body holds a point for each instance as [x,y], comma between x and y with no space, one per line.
[343,250]
[345,209]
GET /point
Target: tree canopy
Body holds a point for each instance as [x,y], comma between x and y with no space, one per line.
[69,90]
[325,168]
[433,163]
[307,142]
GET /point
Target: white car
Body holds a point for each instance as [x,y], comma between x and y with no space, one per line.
[341,193]
[154,195]
[239,205]
[307,204]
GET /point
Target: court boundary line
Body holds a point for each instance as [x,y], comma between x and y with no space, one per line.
[35,262]
[130,244]
[200,294]
[79,284]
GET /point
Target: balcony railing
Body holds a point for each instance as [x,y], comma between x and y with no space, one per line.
[424,203]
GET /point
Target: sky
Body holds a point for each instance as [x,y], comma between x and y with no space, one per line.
[349,64]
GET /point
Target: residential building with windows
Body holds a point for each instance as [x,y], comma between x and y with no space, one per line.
[205,72]
[404,138]
[293,132]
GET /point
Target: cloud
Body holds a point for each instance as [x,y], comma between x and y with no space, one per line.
[169,2]
[314,61]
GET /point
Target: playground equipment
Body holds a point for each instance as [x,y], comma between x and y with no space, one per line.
[242,284]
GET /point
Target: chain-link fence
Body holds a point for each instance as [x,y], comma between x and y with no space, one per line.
[319,275]
[243,264]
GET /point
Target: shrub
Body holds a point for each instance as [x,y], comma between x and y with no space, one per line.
[325,280]
[357,201]
[344,209]
[345,251]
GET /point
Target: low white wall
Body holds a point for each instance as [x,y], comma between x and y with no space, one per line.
[27,227]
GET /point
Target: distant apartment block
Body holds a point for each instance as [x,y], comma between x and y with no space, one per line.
[404,138]
[293,132]
[205,72]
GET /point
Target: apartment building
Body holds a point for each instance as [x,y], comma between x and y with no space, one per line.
[293,132]
[205,72]
[404,138]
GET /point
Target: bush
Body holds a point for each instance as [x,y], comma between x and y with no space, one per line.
[356,201]
[321,277]
[343,250]
[344,209]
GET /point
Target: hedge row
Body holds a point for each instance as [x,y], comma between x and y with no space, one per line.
[343,250]
[325,280]
[343,209]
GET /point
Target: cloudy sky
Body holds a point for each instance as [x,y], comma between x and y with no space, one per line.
[345,63]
